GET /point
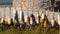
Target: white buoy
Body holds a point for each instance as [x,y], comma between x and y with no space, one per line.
[19,11]
[31,20]
[13,12]
[52,22]
[58,20]
[20,16]
[37,21]
[9,21]
[1,20]
[42,15]
[26,18]
[7,16]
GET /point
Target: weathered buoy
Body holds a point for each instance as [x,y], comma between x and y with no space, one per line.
[1,20]
[58,20]
[31,20]
[52,22]
[37,19]
[26,19]
[45,21]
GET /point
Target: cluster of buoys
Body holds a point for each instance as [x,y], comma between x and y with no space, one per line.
[27,21]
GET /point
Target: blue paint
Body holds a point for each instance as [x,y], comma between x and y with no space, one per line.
[6,2]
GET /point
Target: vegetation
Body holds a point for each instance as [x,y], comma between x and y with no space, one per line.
[36,30]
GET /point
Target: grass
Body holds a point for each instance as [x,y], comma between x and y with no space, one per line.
[36,30]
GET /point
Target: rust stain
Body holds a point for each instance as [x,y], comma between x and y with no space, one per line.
[23,4]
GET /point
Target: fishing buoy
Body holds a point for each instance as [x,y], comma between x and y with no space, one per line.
[42,16]
[31,20]
[41,19]
[13,18]
[52,22]
[13,13]
[45,23]
[26,18]
[58,20]
[20,15]
[1,20]
[37,19]
[8,21]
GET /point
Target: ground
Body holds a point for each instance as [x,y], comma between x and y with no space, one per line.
[36,30]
